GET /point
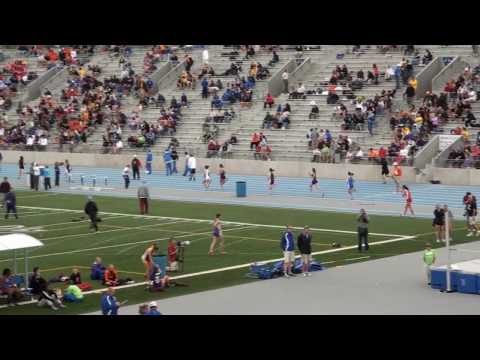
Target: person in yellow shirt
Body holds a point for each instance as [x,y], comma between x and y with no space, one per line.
[465,134]
[413,82]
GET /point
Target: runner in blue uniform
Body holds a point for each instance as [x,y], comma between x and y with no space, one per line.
[350,185]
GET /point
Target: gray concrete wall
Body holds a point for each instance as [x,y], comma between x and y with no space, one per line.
[301,71]
[34,89]
[427,153]
[275,84]
[171,76]
[441,160]
[449,72]
[449,176]
[241,167]
[425,77]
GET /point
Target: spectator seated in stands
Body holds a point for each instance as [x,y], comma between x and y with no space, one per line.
[269,101]
[216,103]
[233,70]
[212,148]
[314,111]
[285,119]
[299,93]
[263,152]
[268,121]
[229,96]
[206,70]
[427,57]
[184,100]
[275,59]
[332,98]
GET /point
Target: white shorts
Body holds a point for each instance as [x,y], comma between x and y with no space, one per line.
[472,220]
[289,256]
[306,258]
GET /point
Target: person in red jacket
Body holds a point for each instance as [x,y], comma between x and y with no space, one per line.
[172,255]
[111,276]
[269,101]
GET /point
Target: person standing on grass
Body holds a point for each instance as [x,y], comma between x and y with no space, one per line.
[147,259]
[57,173]
[288,247]
[11,203]
[126,176]
[109,302]
[192,167]
[429,257]
[143,196]
[148,162]
[362,230]
[304,243]
[471,213]
[136,165]
[4,189]
[223,175]
[186,171]
[46,178]
[91,210]
[30,173]
[36,176]
[217,236]
[21,167]
[439,223]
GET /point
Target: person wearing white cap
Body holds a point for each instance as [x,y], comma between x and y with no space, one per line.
[153,309]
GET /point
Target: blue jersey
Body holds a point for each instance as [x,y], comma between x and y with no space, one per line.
[350,182]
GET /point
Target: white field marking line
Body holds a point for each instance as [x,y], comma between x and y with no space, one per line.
[117,228]
[225,222]
[62,239]
[98,291]
[271,240]
[75,222]
[357,258]
[34,196]
[42,214]
[119,245]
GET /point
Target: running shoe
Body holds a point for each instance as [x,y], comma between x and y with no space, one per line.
[469,234]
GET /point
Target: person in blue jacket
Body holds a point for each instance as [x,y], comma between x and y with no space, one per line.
[148,162]
[397,73]
[288,248]
[167,157]
[109,302]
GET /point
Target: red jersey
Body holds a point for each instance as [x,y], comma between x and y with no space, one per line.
[172,252]
[408,196]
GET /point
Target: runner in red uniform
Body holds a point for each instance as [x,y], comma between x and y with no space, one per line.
[407,194]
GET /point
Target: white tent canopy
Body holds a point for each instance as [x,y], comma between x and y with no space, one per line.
[18,242]
[15,242]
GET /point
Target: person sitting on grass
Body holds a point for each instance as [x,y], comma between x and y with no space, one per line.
[111,276]
[158,280]
[48,297]
[73,294]
[75,277]
[9,287]
[97,269]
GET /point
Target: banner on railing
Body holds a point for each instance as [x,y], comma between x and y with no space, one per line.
[446,141]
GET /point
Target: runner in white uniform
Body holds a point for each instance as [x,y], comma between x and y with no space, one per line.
[206,177]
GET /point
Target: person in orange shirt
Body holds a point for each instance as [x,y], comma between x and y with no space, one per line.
[111,276]
[397,175]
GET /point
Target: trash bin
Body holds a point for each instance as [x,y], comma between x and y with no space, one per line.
[241,189]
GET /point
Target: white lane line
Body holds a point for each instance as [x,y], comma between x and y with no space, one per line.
[41,214]
[210,221]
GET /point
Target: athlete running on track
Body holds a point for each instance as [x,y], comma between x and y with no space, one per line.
[271,179]
[206,177]
[407,194]
[350,185]
[223,175]
[314,182]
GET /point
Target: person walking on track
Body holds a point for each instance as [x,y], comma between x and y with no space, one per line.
[136,165]
[126,176]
